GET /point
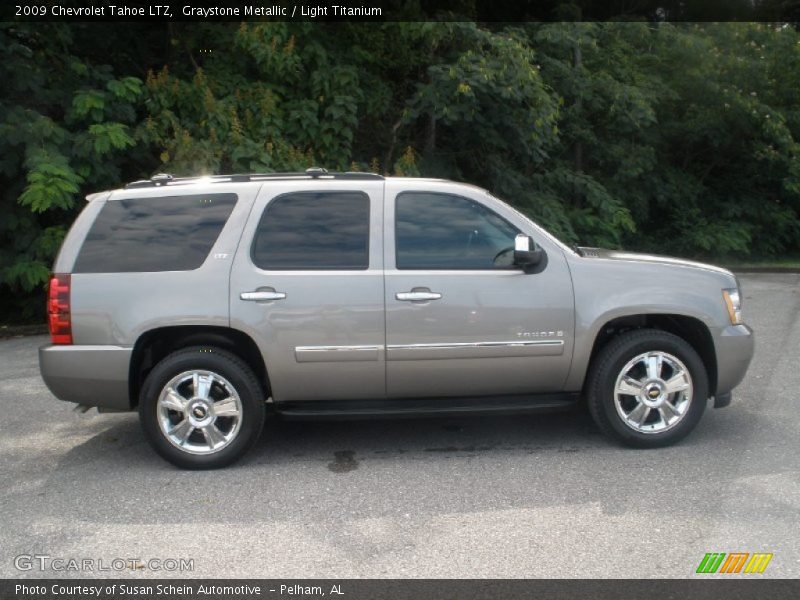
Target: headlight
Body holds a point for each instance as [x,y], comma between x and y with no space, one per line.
[733,301]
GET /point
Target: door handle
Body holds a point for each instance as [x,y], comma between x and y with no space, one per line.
[417,296]
[262,296]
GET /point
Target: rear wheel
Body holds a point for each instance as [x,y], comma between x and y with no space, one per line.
[201,408]
[647,388]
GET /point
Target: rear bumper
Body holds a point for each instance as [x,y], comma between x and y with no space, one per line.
[90,375]
[734,346]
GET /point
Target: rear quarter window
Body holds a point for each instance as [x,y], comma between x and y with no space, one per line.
[165,233]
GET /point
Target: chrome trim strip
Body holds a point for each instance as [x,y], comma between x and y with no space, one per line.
[334,348]
[468,350]
[454,345]
[308,354]
[305,354]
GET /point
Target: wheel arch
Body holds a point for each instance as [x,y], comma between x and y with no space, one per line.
[691,329]
[155,344]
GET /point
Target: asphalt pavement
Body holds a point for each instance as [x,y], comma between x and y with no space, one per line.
[531,496]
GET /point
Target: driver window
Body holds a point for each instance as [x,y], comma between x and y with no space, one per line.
[443,231]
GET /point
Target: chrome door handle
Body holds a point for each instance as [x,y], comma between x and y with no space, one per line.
[262,296]
[417,296]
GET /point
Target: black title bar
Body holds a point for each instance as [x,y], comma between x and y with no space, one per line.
[402,10]
[731,588]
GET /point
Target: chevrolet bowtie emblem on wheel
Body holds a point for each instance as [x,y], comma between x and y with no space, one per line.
[736,562]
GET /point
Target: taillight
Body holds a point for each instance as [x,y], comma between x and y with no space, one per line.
[58,310]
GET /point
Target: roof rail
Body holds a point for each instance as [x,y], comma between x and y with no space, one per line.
[165,179]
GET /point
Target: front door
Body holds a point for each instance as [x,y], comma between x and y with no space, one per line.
[461,320]
[307,285]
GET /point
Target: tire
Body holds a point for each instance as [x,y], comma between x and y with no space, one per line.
[621,381]
[202,408]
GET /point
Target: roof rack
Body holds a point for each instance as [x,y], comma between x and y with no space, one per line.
[163,179]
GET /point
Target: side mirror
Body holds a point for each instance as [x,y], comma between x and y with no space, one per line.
[527,253]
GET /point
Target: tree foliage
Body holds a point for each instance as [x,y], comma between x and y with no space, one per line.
[680,139]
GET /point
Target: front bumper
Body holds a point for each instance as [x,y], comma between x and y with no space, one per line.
[89,375]
[734,346]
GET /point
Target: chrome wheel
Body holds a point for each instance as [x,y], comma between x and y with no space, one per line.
[653,392]
[199,412]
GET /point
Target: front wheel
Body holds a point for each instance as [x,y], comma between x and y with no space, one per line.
[201,408]
[647,388]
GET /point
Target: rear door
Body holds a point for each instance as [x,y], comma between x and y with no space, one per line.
[307,285]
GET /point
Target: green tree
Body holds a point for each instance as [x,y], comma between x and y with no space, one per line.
[679,139]
[64,124]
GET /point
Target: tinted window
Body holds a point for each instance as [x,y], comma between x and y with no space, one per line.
[168,233]
[441,231]
[302,231]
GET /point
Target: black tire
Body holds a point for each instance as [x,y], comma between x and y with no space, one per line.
[240,377]
[600,388]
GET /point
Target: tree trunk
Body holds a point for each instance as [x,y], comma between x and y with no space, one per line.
[430,142]
[577,149]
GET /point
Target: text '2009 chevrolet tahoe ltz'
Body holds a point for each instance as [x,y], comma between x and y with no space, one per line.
[205,301]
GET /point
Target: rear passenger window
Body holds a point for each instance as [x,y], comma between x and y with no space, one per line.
[313,231]
[167,233]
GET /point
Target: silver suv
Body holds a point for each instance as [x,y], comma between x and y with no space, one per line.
[207,302]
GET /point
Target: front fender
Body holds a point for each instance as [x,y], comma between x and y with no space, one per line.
[606,290]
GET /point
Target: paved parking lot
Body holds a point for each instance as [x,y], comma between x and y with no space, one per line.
[533,496]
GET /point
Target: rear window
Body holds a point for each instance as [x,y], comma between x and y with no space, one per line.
[167,233]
